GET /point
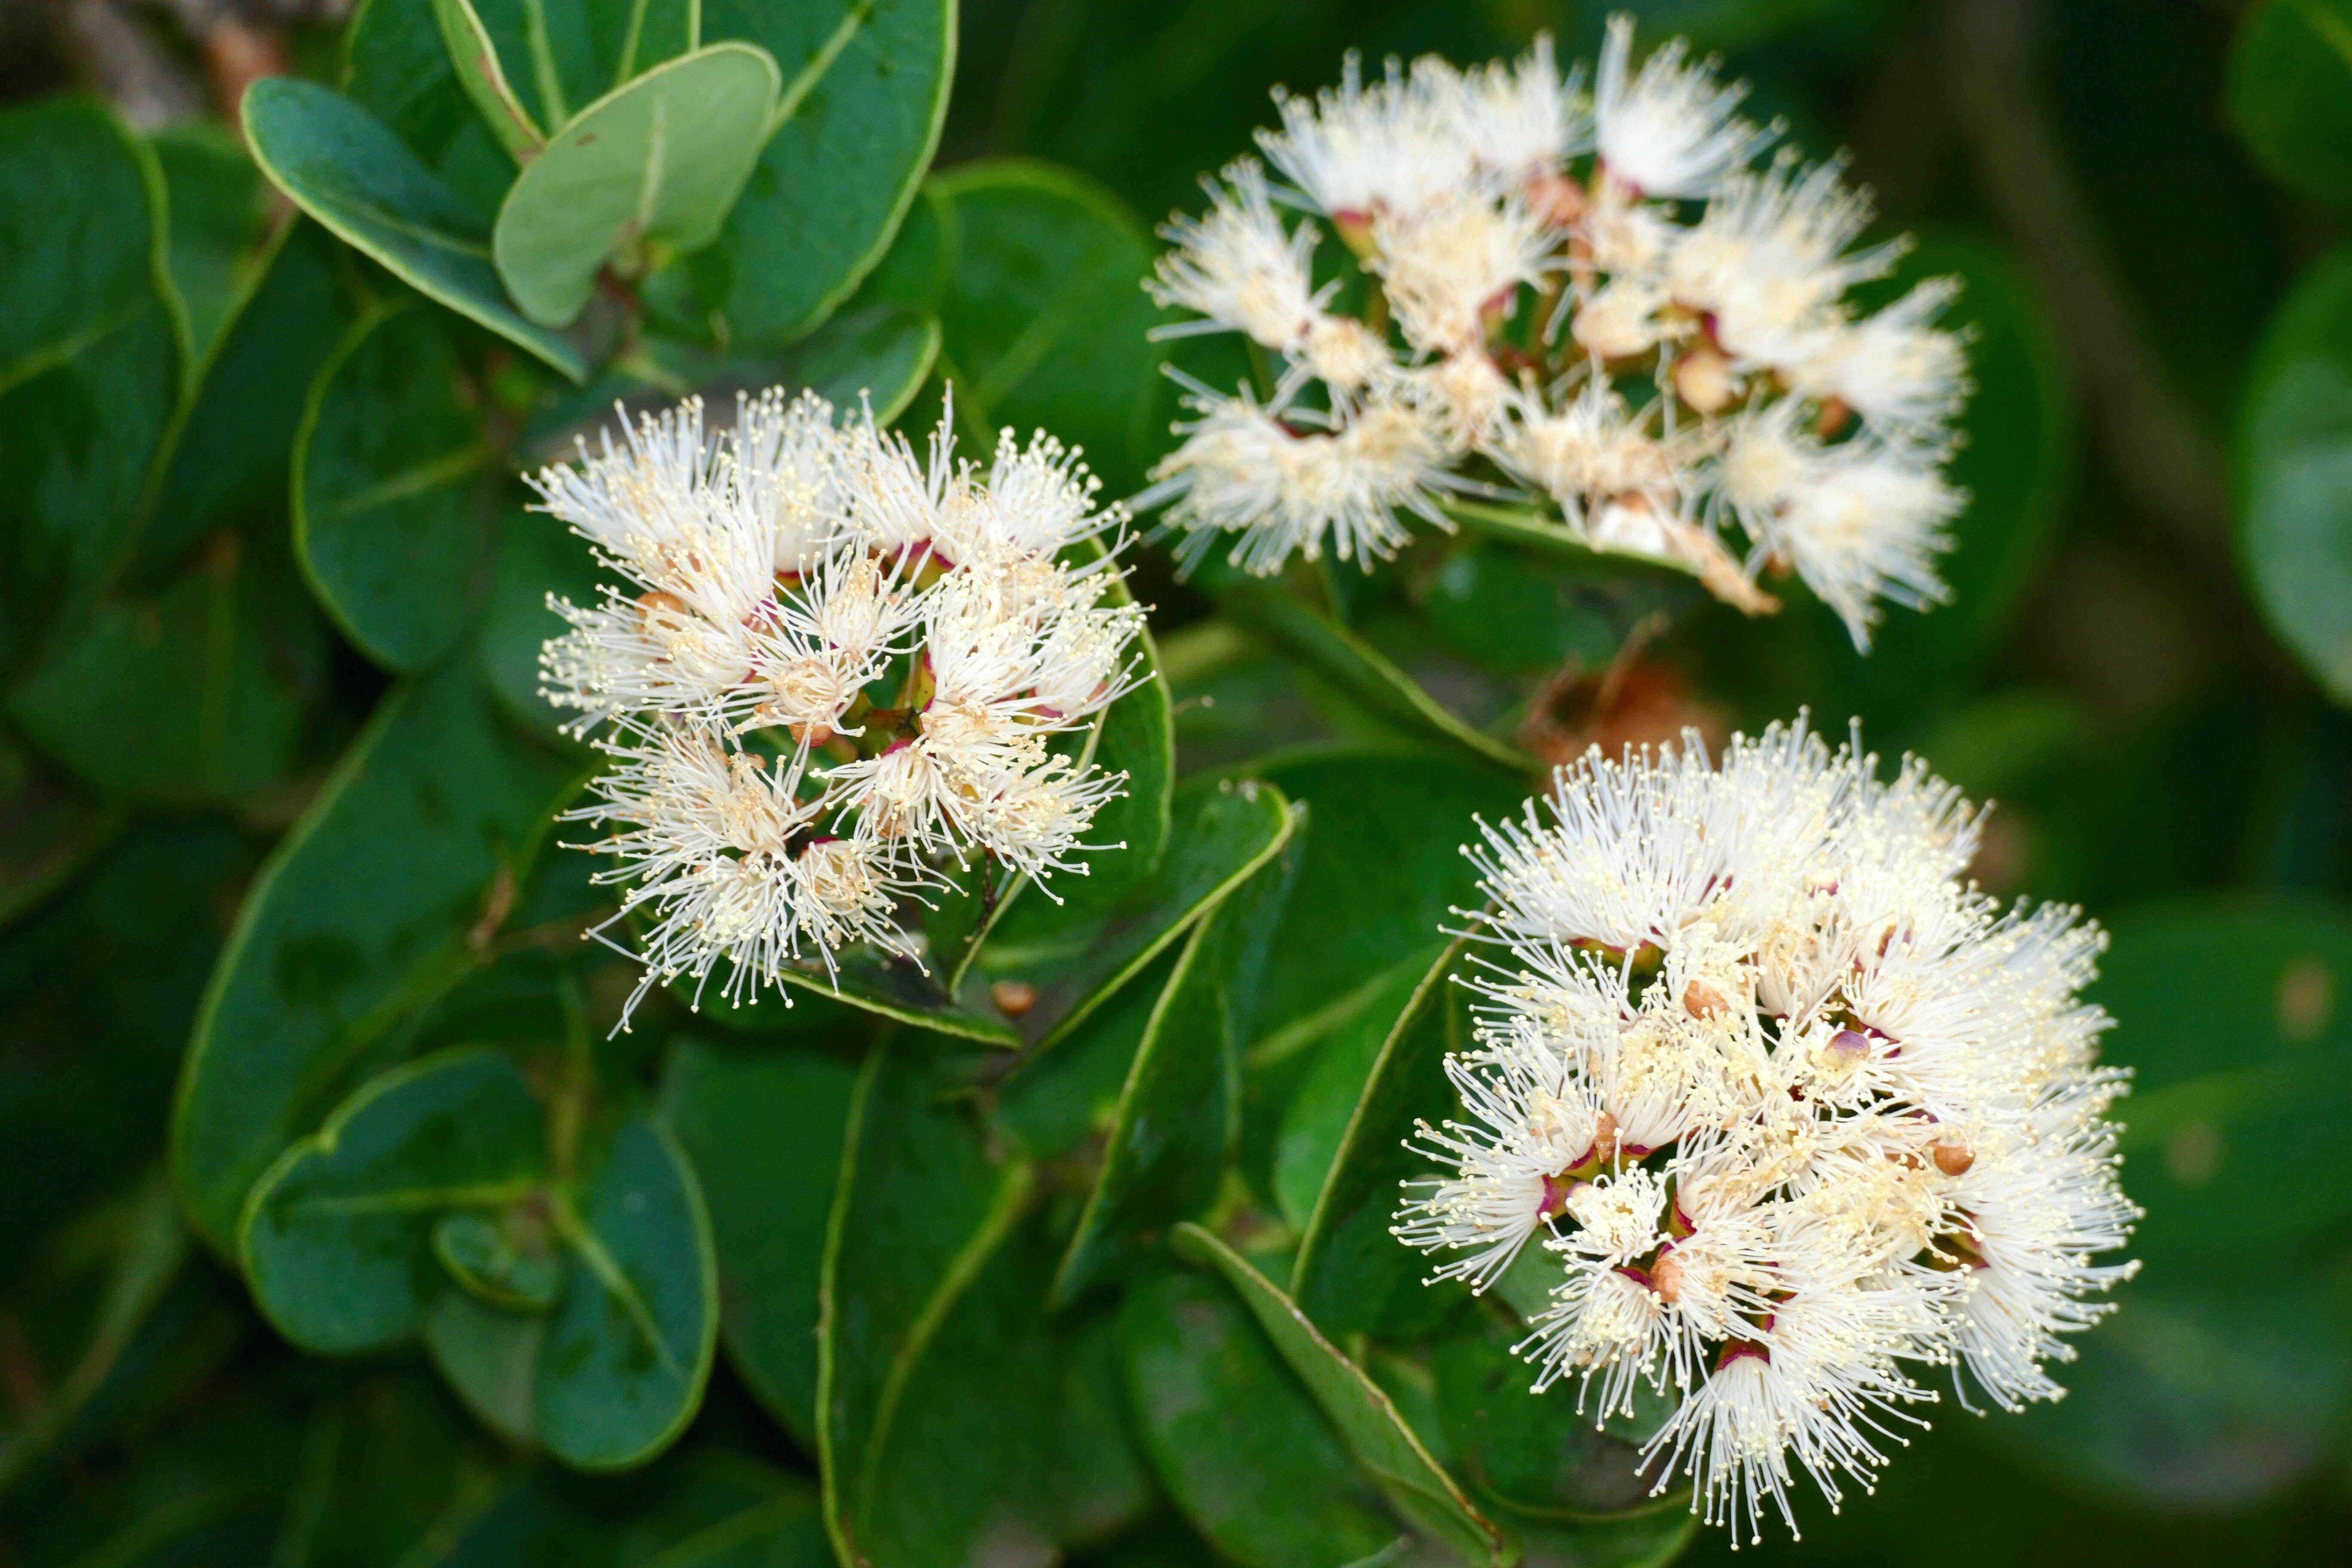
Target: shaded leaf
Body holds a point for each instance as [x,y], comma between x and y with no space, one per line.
[765,1131]
[47,831]
[337,1237]
[2290,93]
[1224,832]
[349,171]
[90,350]
[1179,1114]
[395,489]
[1367,1419]
[1364,673]
[1235,1436]
[866,90]
[1351,1275]
[1044,316]
[217,222]
[2292,457]
[629,1347]
[2207,1390]
[385,894]
[934,1420]
[197,694]
[1536,1455]
[229,460]
[2232,1024]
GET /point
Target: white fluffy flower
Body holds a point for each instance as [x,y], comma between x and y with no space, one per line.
[1793,1109]
[1860,520]
[838,666]
[1295,491]
[1769,264]
[1238,267]
[1671,131]
[1513,300]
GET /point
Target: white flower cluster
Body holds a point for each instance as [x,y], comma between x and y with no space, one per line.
[834,668]
[1528,318]
[1787,1103]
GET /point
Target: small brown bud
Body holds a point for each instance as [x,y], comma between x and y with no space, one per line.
[1605,1137]
[1703,379]
[1835,412]
[1953,1158]
[1012,997]
[1701,1000]
[1556,200]
[660,604]
[1666,1278]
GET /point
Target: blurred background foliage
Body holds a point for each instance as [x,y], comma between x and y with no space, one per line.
[2146,665]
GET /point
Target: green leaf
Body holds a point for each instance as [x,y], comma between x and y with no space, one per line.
[558,56]
[229,458]
[658,161]
[489,1356]
[2290,93]
[1367,1419]
[90,350]
[1046,1108]
[396,489]
[2292,457]
[495,1265]
[1225,832]
[1359,915]
[1351,1275]
[1536,1455]
[765,1130]
[387,892]
[1179,1114]
[474,58]
[629,1349]
[935,1418]
[1313,1123]
[337,1237]
[217,223]
[1045,318]
[1518,613]
[349,171]
[196,695]
[537,556]
[1237,1438]
[865,91]
[1365,673]
[2232,1024]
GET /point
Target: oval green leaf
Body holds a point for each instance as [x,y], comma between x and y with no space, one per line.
[2290,93]
[387,893]
[659,161]
[395,490]
[765,1128]
[866,92]
[1382,1441]
[629,1348]
[2293,453]
[1235,1438]
[337,1238]
[1225,831]
[1178,1111]
[90,350]
[348,169]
